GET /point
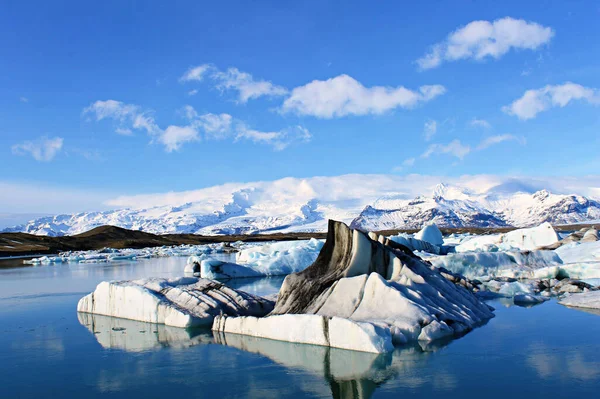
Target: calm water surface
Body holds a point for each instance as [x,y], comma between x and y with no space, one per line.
[48,350]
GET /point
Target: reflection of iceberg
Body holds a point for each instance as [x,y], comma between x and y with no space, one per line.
[350,374]
[136,336]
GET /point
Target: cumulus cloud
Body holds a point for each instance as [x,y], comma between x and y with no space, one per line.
[484,39]
[245,85]
[43,149]
[535,101]
[493,140]
[195,74]
[454,148]
[173,137]
[482,123]
[430,129]
[344,95]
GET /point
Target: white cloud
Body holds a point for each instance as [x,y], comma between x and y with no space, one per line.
[493,140]
[43,149]
[407,163]
[195,73]
[483,39]
[430,129]
[278,139]
[343,95]
[24,99]
[221,126]
[192,92]
[124,131]
[482,123]
[215,126]
[535,101]
[355,190]
[173,137]
[454,148]
[245,85]
[128,116]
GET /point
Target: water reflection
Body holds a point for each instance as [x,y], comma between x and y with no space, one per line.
[137,336]
[350,374]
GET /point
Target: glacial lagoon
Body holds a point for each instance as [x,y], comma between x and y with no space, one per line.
[48,349]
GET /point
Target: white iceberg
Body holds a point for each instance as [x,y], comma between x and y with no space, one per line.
[431,233]
[312,329]
[365,293]
[218,270]
[487,265]
[587,300]
[273,259]
[183,302]
[414,244]
[521,239]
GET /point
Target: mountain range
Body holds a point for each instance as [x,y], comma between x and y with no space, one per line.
[365,202]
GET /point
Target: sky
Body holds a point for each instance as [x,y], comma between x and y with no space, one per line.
[118,98]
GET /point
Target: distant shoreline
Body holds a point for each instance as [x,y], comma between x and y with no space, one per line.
[23,244]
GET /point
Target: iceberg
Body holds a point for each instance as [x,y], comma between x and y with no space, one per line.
[587,300]
[182,302]
[415,245]
[366,293]
[273,259]
[521,239]
[487,265]
[218,270]
[432,234]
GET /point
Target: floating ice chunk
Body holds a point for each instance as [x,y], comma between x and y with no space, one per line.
[415,244]
[434,331]
[529,299]
[276,259]
[183,302]
[588,300]
[578,252]
[530,264]
[193,264]
[523,239]
[509,289]
[430,233]
[219,270]
[310,329]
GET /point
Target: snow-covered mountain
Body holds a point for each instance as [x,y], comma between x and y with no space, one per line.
[451,206]
[369,202]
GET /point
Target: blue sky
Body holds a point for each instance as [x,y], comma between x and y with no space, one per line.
[104,98]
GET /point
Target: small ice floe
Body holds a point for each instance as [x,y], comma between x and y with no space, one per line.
[529,299]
